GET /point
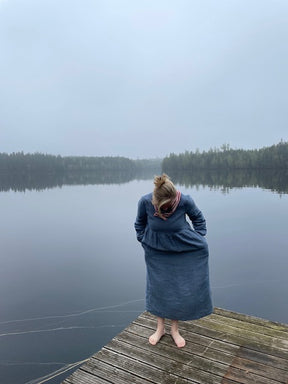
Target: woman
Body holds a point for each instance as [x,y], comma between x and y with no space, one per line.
[176,256]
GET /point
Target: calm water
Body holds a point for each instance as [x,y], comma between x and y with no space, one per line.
[72,274]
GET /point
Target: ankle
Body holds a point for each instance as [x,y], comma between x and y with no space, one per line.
[174,329]
[160,330]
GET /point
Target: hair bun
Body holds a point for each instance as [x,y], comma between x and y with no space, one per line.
[160,180]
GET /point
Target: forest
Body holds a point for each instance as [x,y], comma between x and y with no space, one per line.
[273,157]
[20,162]
[37,162]
[19,171]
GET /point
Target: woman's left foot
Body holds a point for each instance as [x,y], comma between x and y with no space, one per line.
[178,339]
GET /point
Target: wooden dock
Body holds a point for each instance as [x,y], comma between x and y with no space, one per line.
[223,348]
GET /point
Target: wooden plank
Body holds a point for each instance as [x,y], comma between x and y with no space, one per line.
[111,373]
[81,377]
[229,335]
[207,352]
[251,367]
[181,367]
[237,323]
[167,347]
[279,345]
[138,368]
[223,348]
[171,366]
[251,319]
[195,338]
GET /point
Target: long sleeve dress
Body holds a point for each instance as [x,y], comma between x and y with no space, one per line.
[176,256]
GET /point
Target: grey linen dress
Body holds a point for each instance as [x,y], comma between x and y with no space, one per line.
[176,256]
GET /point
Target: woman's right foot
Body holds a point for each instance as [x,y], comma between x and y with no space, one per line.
[155,338]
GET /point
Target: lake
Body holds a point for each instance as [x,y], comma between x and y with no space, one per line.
[73,275]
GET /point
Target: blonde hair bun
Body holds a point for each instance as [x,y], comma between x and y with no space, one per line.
[160,180]
[163,193]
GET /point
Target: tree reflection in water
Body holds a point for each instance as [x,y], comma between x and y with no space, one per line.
[224,180]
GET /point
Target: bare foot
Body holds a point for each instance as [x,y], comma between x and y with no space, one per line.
[178,339]
[154,339]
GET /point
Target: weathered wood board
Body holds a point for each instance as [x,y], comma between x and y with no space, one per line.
[223,348]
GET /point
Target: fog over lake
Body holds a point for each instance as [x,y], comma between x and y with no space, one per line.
[130,81]
[73,275]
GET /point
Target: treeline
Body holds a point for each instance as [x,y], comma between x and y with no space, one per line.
[48,164]
[20,172]
[275,156]
[146,164]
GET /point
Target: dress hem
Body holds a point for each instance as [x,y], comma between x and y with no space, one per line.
[181,318]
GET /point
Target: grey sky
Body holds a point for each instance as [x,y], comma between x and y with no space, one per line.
[142,78]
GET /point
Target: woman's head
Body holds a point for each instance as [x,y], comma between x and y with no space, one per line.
[164,191]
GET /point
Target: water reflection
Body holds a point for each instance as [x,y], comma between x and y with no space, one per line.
[273,180]
[20,182]
[73,273]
